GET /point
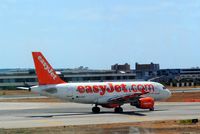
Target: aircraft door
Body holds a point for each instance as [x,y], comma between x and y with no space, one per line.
[69,94]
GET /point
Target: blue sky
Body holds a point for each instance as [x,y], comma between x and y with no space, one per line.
[99,33]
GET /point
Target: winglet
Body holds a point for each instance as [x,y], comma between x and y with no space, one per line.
[45,73]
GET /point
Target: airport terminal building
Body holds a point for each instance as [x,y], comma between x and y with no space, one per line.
[12,78]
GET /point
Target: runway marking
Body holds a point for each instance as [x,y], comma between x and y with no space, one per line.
[138,118]
[51,122]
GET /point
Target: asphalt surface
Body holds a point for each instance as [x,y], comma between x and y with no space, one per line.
[25,96]
[25,115]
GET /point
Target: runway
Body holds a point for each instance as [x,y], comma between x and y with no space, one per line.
[25,115]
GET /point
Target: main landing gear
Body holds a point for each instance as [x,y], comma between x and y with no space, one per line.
[118,110]
[95,109]
[151,109]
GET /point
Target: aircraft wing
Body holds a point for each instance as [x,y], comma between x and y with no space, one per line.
[121,99]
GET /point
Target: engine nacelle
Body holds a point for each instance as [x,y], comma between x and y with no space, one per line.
[110,105]
[144,103]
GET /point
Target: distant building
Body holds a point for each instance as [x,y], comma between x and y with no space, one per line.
[146,71]
[10,79]
[182,76]
[166,76]
[95,75]
[179,74]
[123,68]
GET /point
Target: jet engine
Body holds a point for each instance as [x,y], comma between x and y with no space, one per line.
[144,103]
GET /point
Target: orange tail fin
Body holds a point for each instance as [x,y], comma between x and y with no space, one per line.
[45,73]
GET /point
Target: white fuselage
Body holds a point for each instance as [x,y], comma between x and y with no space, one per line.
[101,92]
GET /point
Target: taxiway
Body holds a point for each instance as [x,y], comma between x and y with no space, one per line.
[25,115]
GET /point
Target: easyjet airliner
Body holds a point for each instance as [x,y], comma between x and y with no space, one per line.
[105,94]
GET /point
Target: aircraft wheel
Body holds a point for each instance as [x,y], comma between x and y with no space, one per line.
[95,109]
[118,110]
[151,109]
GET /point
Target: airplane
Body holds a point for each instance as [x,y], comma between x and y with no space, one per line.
[105,94]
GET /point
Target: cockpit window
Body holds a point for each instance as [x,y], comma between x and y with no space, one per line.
[164,88]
